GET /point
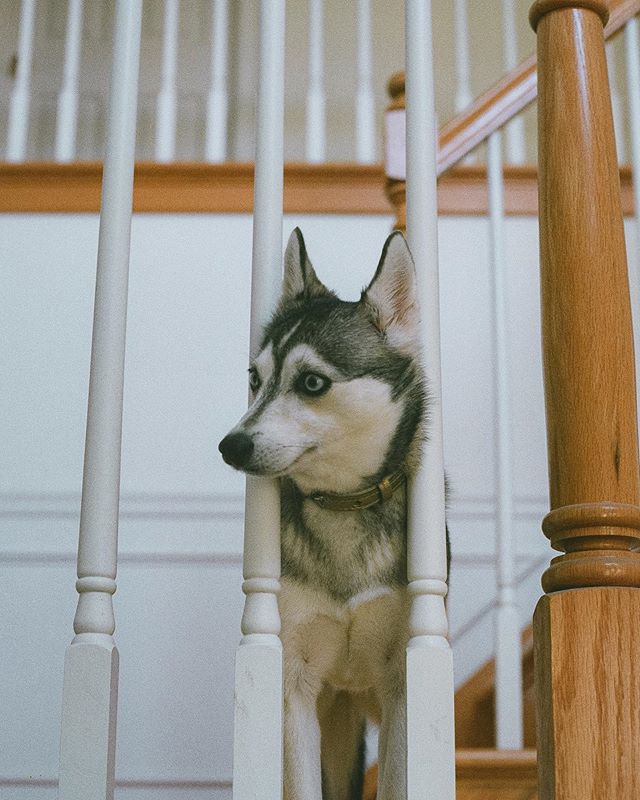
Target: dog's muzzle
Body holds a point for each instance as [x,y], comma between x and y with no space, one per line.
[236,449]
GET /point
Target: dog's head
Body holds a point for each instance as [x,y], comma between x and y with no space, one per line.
[337,390]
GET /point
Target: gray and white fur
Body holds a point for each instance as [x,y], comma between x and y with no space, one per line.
[339,402]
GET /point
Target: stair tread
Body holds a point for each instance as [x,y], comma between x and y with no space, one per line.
[496,774]
[486,774]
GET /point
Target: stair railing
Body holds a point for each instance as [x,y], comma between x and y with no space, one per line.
[88,737]
[585,637]
[90,692]
[429,662]
[482,122]
[258,711]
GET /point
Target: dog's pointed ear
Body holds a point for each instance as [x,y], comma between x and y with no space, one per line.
[390,300]
[300,279]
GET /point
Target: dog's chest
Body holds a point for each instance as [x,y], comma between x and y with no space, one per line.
[371,636]
[348,645]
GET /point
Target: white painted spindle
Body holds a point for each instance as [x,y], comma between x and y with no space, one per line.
[257,752]
[516,148]
[217,100]
[87,742]
[166,109]
[67,119]
[508,696]
[462,97]
[430,734]
[365,102]
[315,130]
[20,100]
[632,63]
[616,99]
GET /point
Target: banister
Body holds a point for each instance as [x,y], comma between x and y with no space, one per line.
[587,678]
[506,98]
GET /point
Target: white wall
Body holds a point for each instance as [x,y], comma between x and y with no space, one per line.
[179,601]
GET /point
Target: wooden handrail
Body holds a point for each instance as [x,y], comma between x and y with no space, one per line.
[495,107]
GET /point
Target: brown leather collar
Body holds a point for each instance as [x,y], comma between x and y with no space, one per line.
[367,497]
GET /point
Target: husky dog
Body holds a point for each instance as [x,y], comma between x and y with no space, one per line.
[337,414]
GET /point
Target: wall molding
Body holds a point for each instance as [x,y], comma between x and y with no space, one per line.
[124,783]
[219,505]
[186,518]
[151,505]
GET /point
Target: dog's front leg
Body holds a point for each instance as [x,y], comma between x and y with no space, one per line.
[310,640]
[392,779]
[302,775]
[392,745]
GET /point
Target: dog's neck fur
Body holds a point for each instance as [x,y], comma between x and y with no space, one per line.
[348,553]
[343,553]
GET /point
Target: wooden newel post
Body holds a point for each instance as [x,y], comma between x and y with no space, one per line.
[587,638]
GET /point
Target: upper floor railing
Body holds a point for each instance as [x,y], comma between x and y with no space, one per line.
[199,71]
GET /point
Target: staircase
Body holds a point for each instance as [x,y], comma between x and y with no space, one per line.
[482,772]
[485,775]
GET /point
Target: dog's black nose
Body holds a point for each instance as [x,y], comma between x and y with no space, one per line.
[236,449]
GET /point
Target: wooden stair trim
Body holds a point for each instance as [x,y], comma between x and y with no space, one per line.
[44,187]
[192,187]
[507,765]
[491,772]
[474,702]
[503,101]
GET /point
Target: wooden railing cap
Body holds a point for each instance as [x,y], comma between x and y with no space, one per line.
[542,7]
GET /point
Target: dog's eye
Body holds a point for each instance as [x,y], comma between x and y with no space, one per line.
[254,379]
[313,384]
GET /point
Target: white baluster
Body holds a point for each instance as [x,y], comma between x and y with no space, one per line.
[167,98]
[430,736]
[516,149]
[616,100]
[315,132]
[365,102]
[20,96]
[632,62]
[462,96]
[67,119]
[87,744]
[257,751]
[217,101]
[509,734]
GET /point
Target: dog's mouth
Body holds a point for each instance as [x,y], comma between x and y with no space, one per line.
[270,472]
[238,450]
